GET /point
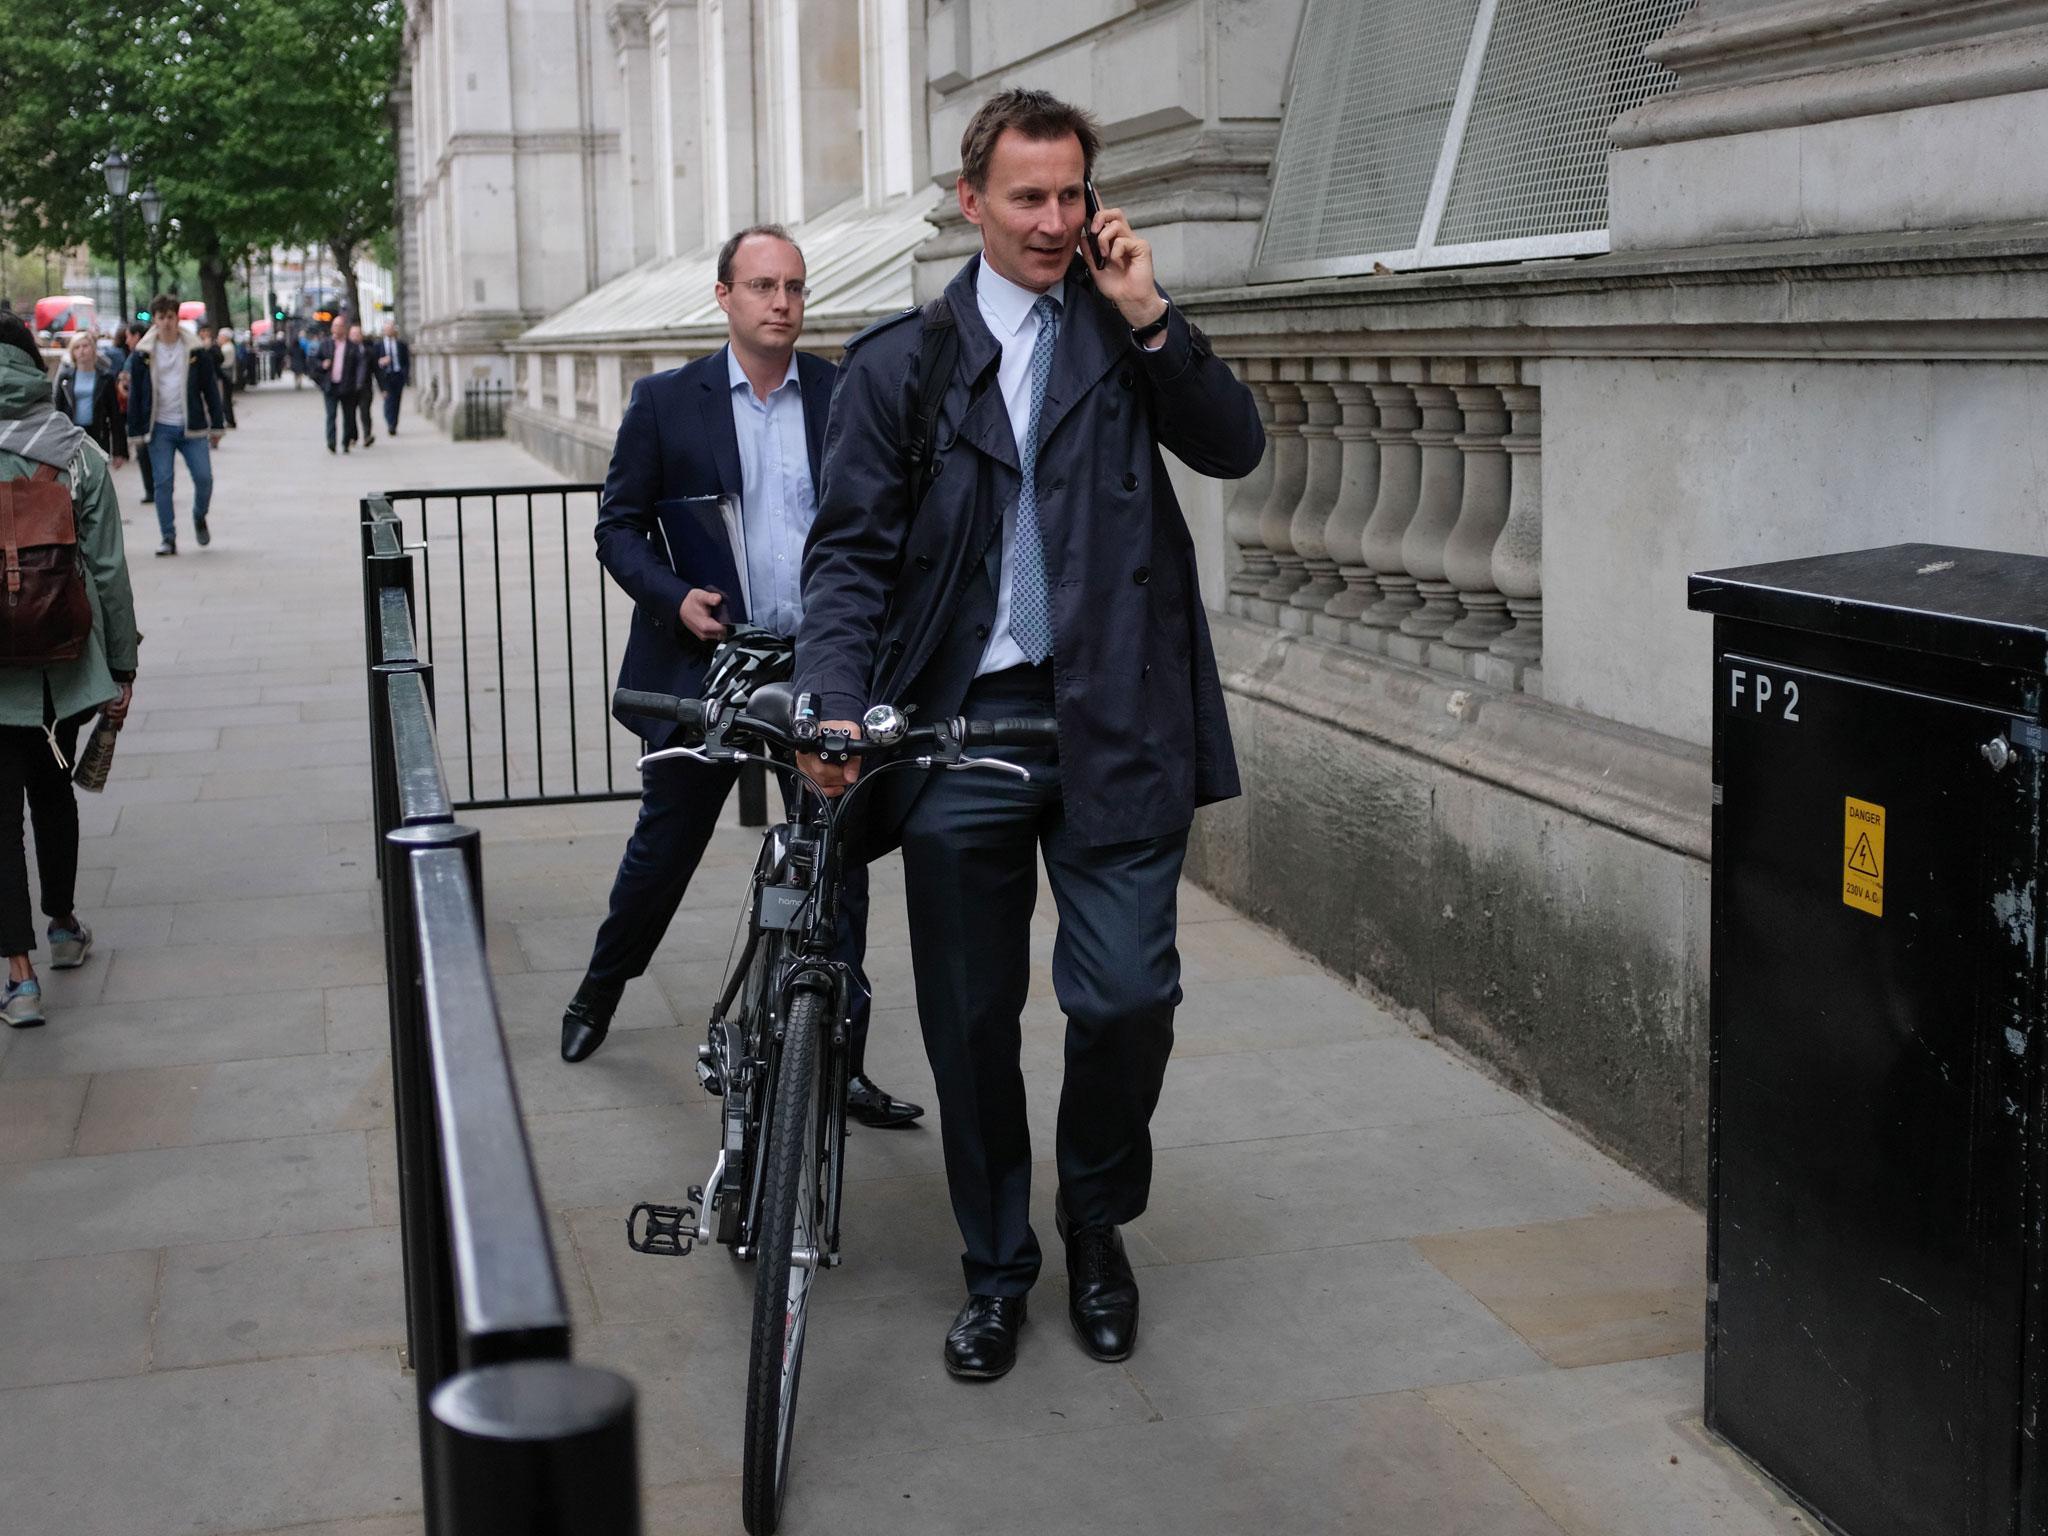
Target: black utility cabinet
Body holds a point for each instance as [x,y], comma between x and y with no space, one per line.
[1875,1250]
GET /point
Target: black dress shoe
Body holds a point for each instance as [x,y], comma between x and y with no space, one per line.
[586,1021]
[871,1106]
[1102,1293]
[982,1344]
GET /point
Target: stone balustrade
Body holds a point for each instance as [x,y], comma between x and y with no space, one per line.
[1399,510]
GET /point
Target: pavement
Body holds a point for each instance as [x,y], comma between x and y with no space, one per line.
[1381,1294]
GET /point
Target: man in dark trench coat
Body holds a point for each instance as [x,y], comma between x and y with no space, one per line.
[1038,565]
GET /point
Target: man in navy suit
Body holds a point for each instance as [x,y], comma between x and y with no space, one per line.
[1034,562]
[749,421]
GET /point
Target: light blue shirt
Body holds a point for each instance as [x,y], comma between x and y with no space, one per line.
[82,383]
[777,500]
[1009,311]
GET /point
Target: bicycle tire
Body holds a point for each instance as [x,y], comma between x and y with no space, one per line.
[791,1212]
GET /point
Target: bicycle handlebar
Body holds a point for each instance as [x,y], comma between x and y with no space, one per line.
[1010,733]
[661,706]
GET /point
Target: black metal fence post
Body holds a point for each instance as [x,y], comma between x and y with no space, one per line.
[540,1446]
[422,1215]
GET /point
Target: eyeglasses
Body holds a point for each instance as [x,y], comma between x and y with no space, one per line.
[764,287]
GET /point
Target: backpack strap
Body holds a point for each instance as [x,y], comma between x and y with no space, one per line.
[45,473]
[938,353]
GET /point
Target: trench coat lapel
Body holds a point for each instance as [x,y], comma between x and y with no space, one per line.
[985,425]
[1091,342]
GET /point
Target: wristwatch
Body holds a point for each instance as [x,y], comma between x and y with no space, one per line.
[1145,333]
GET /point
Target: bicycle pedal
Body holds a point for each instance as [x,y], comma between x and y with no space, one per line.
[668,1231]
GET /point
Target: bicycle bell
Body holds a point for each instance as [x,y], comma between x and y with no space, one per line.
[884,725]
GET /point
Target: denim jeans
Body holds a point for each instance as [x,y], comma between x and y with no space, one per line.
[165,444]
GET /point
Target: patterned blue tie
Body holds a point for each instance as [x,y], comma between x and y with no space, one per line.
[1030,602]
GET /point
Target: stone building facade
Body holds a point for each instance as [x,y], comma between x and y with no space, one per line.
[1547,302]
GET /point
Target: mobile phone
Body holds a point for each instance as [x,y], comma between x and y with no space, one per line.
[1094,206]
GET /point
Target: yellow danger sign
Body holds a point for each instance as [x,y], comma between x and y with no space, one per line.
[1863,856]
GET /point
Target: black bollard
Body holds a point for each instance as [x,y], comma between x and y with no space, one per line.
[535,1448]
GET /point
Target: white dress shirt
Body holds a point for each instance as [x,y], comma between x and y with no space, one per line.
[778,503]
[1007,309]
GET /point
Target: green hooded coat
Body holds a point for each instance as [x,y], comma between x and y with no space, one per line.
[89,681]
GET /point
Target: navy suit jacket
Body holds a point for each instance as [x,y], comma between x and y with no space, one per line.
[677,439]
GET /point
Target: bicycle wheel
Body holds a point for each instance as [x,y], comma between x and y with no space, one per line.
[787,1244]
[742,1129]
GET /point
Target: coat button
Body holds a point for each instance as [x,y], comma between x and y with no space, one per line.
[895,648]
[1124,378]
[1142,574]
[924,562]
[981,631]
[938,467]
[1130,481]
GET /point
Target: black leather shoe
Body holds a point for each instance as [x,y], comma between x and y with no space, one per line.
[1102,1293]
[585,1022]
[871,1106]
[982,1344]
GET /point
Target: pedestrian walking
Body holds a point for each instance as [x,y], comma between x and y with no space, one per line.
[338,367]
[1033,536]
[366,392]
[174,407]
[87,395]
[230,372]
[394,371]
[747,421]
[135,332]
[45,455]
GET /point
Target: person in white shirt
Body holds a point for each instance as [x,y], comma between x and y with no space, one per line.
[174,408]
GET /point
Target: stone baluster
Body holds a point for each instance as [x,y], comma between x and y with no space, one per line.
[1320,483]
[1290,471]
[1518,552]
[1393,504]
[1436,510]
[1468,556]
[1358,480]
[1241,526]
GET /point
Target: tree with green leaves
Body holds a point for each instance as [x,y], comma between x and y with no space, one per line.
[261,122]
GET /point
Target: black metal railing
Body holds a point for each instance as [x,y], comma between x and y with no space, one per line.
[513,1433]
[525,632]
[483,409]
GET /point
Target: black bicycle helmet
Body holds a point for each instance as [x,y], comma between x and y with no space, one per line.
[745,660]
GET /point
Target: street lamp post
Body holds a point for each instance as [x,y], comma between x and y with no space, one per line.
[116,170]
[152,214]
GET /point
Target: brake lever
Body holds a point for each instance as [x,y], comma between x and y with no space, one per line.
[667,753]
[984,762]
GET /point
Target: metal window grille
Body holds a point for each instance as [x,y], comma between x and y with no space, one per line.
[1442,132]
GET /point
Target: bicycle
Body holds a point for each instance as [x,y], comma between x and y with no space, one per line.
[775,1048]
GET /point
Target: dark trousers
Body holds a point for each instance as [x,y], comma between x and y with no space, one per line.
[680,803]
[363,400]
[971,846]
[142,460]
[392,392]
[27,767]
[338,402]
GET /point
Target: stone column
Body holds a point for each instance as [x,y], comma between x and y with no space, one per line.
[1516,656]
[1468,556]
[1325,460]
[626,20]
[1290,471]
[1358,478]
[1393,505]
[1241,523]
[1436,510]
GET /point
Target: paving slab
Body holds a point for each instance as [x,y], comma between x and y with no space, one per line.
[39,1116]
[236,1101]
[182,1195]
[180,1031]
[305,1294]
[1618,1450]
[1617,1286]
[74,1319]
[225,1449]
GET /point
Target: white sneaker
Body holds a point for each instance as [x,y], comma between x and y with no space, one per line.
[21,1005]
[69,948]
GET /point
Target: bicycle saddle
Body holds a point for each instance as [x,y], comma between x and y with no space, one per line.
[773,705]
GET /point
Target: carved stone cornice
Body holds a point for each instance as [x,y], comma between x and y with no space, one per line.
[1810,61]
[626,21]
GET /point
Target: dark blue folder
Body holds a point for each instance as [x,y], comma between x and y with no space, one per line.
[707,547]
